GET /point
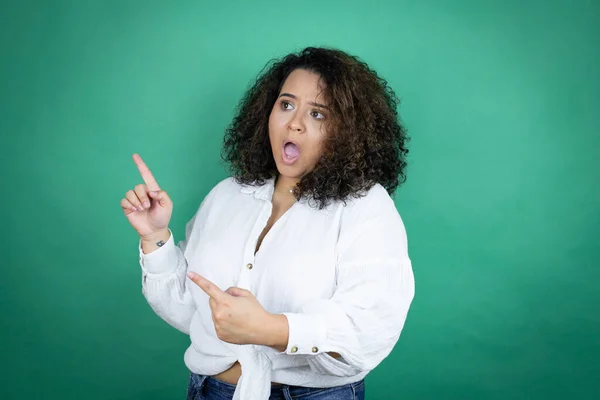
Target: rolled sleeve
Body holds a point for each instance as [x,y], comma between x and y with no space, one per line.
[307,333]
[363,319]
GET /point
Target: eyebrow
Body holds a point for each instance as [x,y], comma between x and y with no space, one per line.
[310,102]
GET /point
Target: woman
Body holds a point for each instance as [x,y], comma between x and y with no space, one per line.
[294,279]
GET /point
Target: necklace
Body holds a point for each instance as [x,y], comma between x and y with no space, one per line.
[291,190]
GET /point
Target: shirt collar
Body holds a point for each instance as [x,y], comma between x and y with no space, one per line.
[264,192]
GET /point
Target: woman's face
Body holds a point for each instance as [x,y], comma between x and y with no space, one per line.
[296,124]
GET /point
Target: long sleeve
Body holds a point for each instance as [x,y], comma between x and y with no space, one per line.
[164,283]
[363,319]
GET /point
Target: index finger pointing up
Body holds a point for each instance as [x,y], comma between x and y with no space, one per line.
[146,174]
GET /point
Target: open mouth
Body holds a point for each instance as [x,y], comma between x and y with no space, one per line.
[290,152]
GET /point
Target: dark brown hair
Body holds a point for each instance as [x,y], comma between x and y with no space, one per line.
[366,142]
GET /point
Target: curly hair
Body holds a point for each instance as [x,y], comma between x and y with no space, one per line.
[365,142]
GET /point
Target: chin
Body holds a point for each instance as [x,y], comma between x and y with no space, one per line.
[290,171]
[289,174]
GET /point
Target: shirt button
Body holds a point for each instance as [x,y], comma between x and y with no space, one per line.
[249,266]
[315,349]
[294,349]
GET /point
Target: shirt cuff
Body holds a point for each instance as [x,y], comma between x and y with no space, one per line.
[162,260]
[307,333]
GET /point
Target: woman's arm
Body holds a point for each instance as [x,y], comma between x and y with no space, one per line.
[163,281]
[164,268]
[363,320]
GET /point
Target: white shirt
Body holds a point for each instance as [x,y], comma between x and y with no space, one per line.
[342,277]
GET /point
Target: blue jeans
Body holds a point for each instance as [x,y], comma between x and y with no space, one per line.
[203,387]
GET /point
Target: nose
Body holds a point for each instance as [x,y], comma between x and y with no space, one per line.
[296,124]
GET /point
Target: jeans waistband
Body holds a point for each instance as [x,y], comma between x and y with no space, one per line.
[278,392]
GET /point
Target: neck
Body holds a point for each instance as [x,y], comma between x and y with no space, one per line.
[284,185]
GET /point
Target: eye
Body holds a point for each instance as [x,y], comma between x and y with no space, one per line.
[286,105]
[317,114]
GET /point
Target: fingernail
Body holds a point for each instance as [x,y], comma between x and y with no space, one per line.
[191,275]
[154,193]
[134,209]
[146,204]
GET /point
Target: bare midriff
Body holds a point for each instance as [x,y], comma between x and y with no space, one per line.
[232,375]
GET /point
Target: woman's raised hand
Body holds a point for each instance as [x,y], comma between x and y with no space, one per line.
[147,207]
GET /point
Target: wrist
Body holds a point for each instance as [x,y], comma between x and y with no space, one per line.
[276,332]
[154,241]
[154,237]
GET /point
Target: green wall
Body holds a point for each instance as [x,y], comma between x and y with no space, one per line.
[501,204]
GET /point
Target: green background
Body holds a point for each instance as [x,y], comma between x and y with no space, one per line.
[501,204]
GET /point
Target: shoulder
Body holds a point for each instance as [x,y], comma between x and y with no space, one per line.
[224,189]
[374,220]
[226,186]
[376,203]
